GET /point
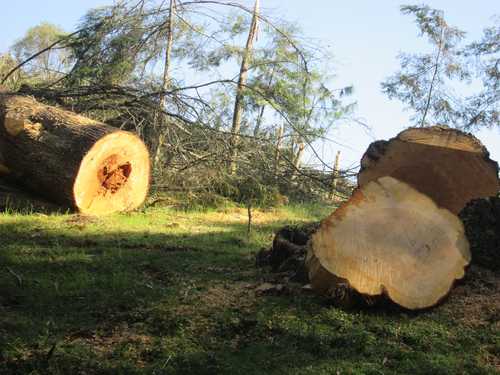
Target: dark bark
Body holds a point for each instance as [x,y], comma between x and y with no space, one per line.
[13,199]
[481,218]
[69,159]
[289,251]
[449,166]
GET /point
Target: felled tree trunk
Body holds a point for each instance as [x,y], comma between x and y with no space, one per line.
[14,199]
[390,239]
[70,159]
[3,168]
[449,166]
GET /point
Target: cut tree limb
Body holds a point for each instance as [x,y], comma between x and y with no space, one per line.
[70,159]
[449,166]
[390,239]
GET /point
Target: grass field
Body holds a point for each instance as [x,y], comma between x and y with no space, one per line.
[168,291]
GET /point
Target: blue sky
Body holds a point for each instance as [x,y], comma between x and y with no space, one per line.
[365,37]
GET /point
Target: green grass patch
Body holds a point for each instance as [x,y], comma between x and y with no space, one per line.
[169,291]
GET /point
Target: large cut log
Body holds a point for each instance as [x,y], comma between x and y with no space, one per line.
[12,199]
[390,239]
[3,168]
[70,159]
[448,165]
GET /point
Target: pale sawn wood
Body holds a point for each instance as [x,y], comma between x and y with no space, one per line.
[390,239]
[71,159]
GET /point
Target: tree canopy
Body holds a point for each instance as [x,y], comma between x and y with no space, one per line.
[114,68]
[48,65]
[426,82]
[180,74]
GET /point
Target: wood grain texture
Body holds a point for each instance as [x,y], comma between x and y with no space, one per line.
[71,159]
[390,239]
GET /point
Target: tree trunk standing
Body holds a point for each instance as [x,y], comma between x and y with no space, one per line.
[297,159]
[335,173]
[434,75]
[449,166]
[258,123]
[390,239]
[280,132]
[238,103]
[249,212]
[262,108]
[165,85]
[70,159]
[168,53]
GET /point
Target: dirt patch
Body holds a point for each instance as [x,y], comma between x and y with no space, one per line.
[81,221]
[104,342]
[158,247]
[475,301]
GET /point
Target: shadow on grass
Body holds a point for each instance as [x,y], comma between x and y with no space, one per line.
[136,302]
[67,296]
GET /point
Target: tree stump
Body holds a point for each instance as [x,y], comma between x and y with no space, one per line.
[449,166]
[70,159]
[390,239]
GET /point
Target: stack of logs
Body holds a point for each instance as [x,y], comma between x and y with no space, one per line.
[68,159]
[399,235]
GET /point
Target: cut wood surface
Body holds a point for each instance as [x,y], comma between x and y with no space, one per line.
[321,280]
[390,239]
[70,159]
[448,165]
